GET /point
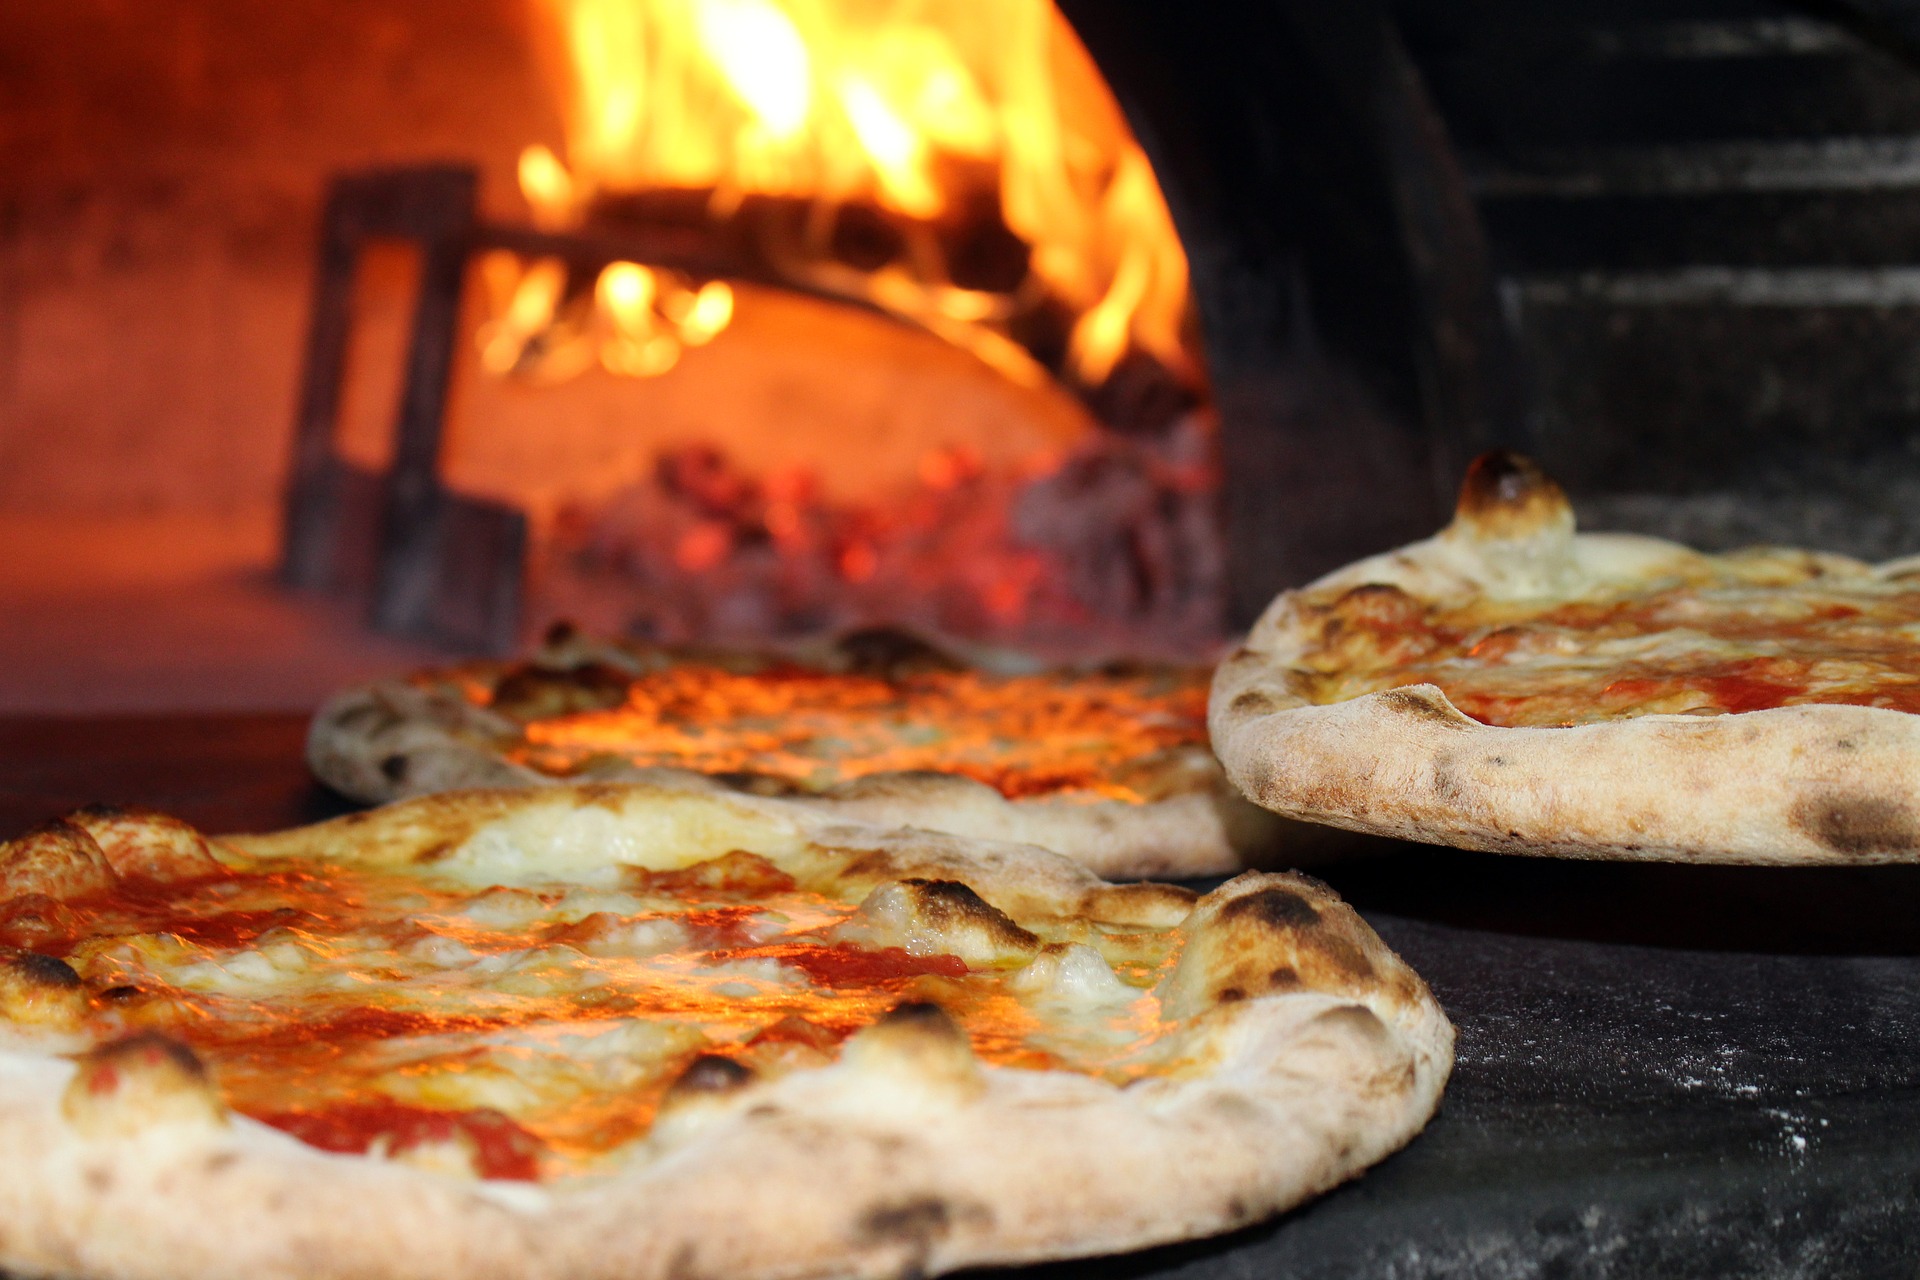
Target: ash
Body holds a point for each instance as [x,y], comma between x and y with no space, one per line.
[1112,549]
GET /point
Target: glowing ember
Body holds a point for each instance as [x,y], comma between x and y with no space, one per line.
[1111,548]
[1022,735]
[956,122]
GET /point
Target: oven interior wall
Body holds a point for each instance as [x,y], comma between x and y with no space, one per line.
[160,172]
[1703,218]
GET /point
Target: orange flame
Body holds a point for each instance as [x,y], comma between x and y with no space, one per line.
[916,106]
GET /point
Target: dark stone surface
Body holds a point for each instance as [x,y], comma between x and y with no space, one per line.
[1663,1071]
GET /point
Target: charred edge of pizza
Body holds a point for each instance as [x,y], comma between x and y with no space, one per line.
[533,691]
[706,1087]
[1264,935]
[1426,704]
[951,905]
[128,1086]
[1507,495]
[919,1042]
[1857,825]
[891,653]
[41,991]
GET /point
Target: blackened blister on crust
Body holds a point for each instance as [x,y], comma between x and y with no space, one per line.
[710,1074]
[1421,707]
[922,1014]
[1857,825]
[44,971]
[944,903]
[1281,908]
[917,1222]
[1507,495]
[890,653]
[532,692]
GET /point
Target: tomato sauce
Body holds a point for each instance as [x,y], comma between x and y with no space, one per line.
[1725,648]
[312,1052]
[500,1148]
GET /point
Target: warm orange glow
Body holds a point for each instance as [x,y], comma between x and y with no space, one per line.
[918,107]
[374,1040]
[1024,735]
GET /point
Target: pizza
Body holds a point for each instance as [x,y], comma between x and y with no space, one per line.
[639,1031]
[1109,766]
[1512,685]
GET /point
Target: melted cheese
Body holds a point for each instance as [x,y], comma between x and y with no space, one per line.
[1022,735]
[533,1028]
[1737,633]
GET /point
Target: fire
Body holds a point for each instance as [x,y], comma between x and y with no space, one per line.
[929,111]
[1022,735]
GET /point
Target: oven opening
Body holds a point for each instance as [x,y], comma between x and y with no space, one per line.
[806,318]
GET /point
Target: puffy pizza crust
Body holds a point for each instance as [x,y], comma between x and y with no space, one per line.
[1312,1051]
[395,739]
[1794,785]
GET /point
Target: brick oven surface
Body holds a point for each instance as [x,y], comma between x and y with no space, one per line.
[1662,1070]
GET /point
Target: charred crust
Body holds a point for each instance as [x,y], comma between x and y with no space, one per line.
[561,631]
[918,1222]
[889,652]
[1151,904]
[44,972]
[121,992]
[920,1042]
[1507,495]
[368,719]
[1346,957]
[1501,480]
[127,1085]
[104,812]
[711,1074]
[1252,702]
[1857,826]
[438,851]
[1275,908]
[1420,706]
[757,784]
[39,990]
[531,691]
[151,1051]
[947,903]
[921,1017]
